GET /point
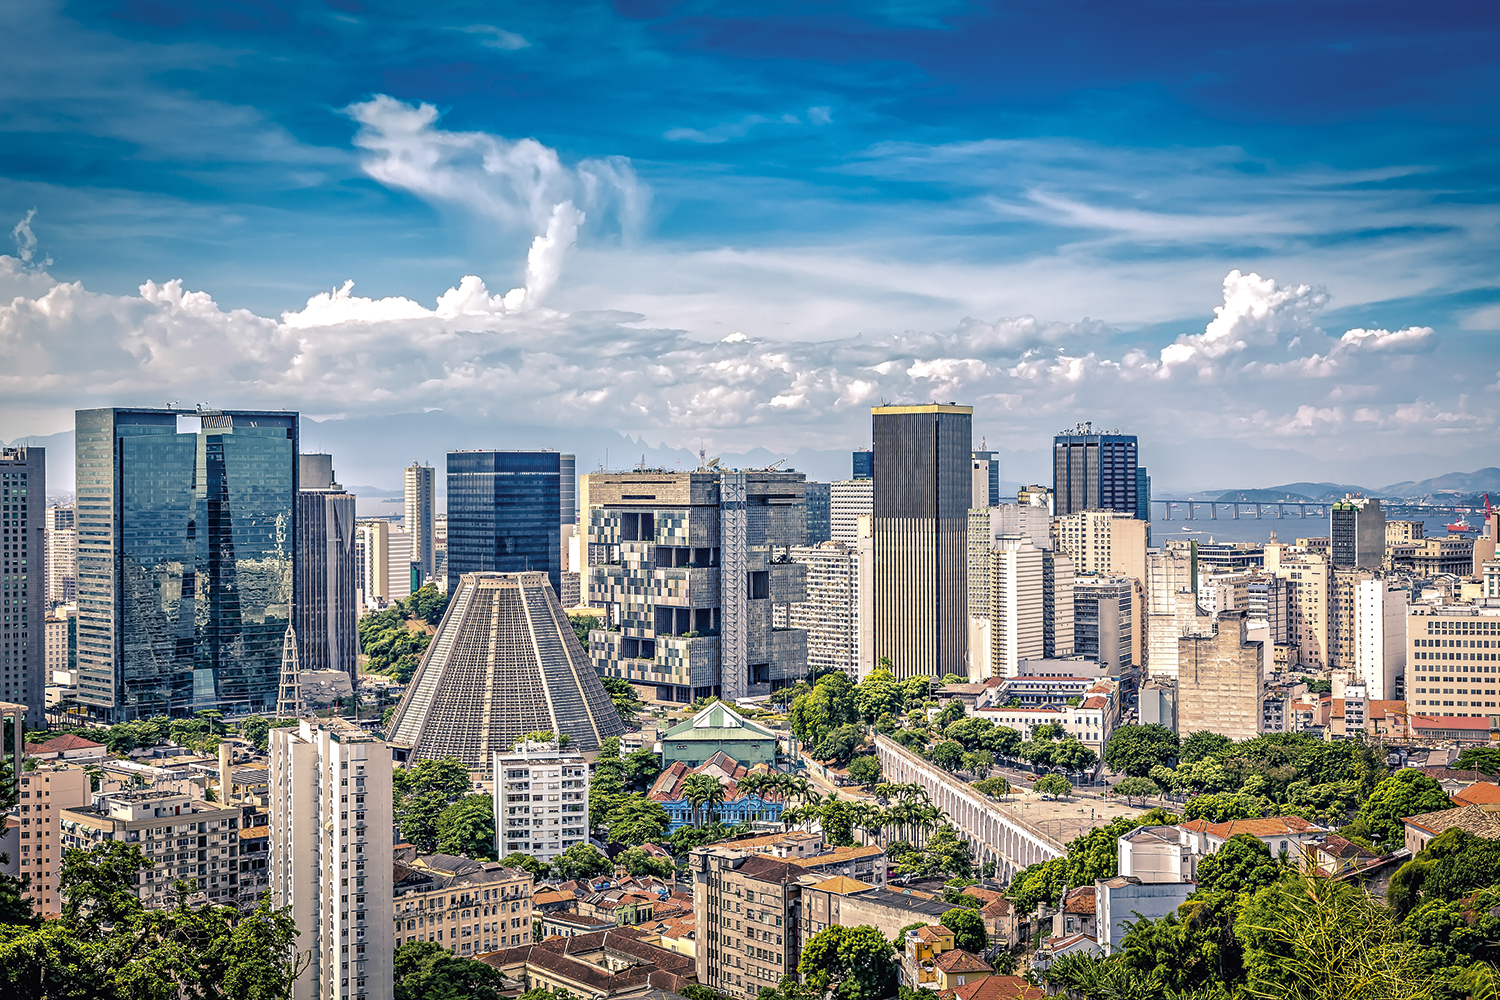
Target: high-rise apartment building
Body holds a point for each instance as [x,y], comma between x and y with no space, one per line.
[1094,471]
[62,555]
[1171,604]
[541,801]
[1059,629]
[1379,636]
[420,495]
[1104,621]
[23,570]
[1221,684]
[186,557]
[1016,606]
[1453,659]
[1342,617]
[504,510]
[330,820]
[984,490]
[848,501]
[863,465]
[750,908]
[837,613]
[388,567]
[819,513]
[921,508]
[987,526]
[328,584]
[1103,541]
[46,792]
[689,567]
[1356,529]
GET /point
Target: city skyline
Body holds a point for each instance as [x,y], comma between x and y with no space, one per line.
[1257,279]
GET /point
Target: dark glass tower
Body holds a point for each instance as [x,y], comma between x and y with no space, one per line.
[23,490]
[187,534]
[864,464]
[504,508]
[327,582]
[1094,471]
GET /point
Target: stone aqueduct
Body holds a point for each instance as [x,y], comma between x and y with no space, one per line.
[995,833]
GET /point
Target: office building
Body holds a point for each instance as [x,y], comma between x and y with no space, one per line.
[984,490]
[921,507]
[327,591]
[1356,529]
[1452,660]
[1229,557]
[1269,602]
[567,489]
[686,567]
[848,501]
[1342,615]
[390,573]
[23,570]
[1428,557]
[159,821]
[1223,591]
[504,509]
[186,557]
[837,613]
[541,800]
[1016,606]
[505,662]
[1379,637]
[1221,684]
[1171,604]
[468,907]
[46,792]
[764,944]
[863,466]
[1143,499]
[987,525]
[818,499]
[420,496]
[1059,629]
[1104,621]
[330,819]
[62,556]
[1094,471]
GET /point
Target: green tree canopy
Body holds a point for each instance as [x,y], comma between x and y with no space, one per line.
[538,868]
[1053,784]
[1222,807]
[1135,750]
[878,694]
[968,930]
[948,755]
[997,786]
[865,770]
[581,861]
[467,828]
[851,963]
[638,862]
[1453,864]
[638,820]
[425,970]
[421,794]
[1136,788]
[1203,744]
[1242,864]
[1406,793]
[1484,759]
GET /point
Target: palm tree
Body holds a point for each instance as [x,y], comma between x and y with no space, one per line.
[698,789]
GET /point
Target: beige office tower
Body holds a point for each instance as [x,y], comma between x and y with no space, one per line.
[1306,569]
[921,506]
[421,503]
[1171,605]
[1103,541]
[330,820]
[62,556]
[1379,636]
[848,501]
[1221,679]
[837,613]
[388,561]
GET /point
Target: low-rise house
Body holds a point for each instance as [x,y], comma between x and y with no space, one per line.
[1334,855]
[957,967]
[996,988]
[717,728]
[1282,834]
[680,934]
[1480,793]
[738,807]
[620,907]
[1001,922]
[846,902]
[919,952]
[1478,820]
[1076,915]
[1123,899]
[67,747]
[618,962]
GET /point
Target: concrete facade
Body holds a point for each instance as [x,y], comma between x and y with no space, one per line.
[1221,679]
[837,615]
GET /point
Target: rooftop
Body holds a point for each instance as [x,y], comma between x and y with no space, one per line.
[1269,826]
[1473,819]
[957,960]
[1478,794]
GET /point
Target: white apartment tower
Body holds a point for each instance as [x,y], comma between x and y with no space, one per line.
[839,606]
[420,508]
[330,822]
[62,556]
[541,800]
[1379,637]
[848,501]
[1016,601]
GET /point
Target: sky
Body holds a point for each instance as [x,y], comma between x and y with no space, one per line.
[1262,236]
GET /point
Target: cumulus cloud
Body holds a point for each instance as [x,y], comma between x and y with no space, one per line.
[502,356]
[1256,313]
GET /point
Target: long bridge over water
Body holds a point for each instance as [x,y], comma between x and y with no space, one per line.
[1298,508]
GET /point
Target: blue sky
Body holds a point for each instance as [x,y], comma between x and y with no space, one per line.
[869,201]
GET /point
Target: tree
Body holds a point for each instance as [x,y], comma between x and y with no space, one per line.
[581,861]
[1135,750]
[638,820]
[853,963]
[422,792]
[968,930]
[1222,807]
[467,828]
[837,821]
[637,862]
[424,969]
[1039,883]
[945,853]
[1405,793]
[1054,784]
[1136,788]
[1242,864]
[997,786]
[865,770]
[839,745]
[948,755]
[1483,759]
[1452,865]
[536,867]
[621,693]
[1073,756]
[878,694]
[1203,744]
[703,792]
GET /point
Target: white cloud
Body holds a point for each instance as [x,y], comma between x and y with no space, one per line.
[1412,338]
[724,131]
[1255,313]
[1486,318]
[496,38]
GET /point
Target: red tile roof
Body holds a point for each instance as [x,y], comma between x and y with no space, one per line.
[1269,826]
[67,741]
[997,988]
[957,960]
[1478,794]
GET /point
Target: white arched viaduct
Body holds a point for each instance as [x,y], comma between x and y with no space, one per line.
[995,833]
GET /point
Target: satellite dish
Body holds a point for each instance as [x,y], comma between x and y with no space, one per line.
[713,463]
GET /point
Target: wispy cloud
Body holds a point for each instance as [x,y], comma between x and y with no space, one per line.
[496,38]
[725,131]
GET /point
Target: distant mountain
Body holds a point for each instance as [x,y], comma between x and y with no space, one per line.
[1479,481]
[1309,492]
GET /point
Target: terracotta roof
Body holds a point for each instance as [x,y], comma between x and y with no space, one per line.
[843,885]
[1448,774]
[67,741]
[1471,818]
[957,960]
[658,968]
[932,934]
[1080,900]
[1478,794]
[1477,722]
[837,855]
[1269,826]
[548,898]
[998,908]
[681,927]
[1344,850]
[1096,701]
[982,894]
[998,988]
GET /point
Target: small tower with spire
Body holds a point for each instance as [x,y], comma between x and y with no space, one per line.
[289,691]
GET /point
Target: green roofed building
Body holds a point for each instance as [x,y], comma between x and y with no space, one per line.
[717,728]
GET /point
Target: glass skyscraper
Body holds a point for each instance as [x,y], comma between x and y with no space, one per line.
[186,525]
[1094,470]
[504,512]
